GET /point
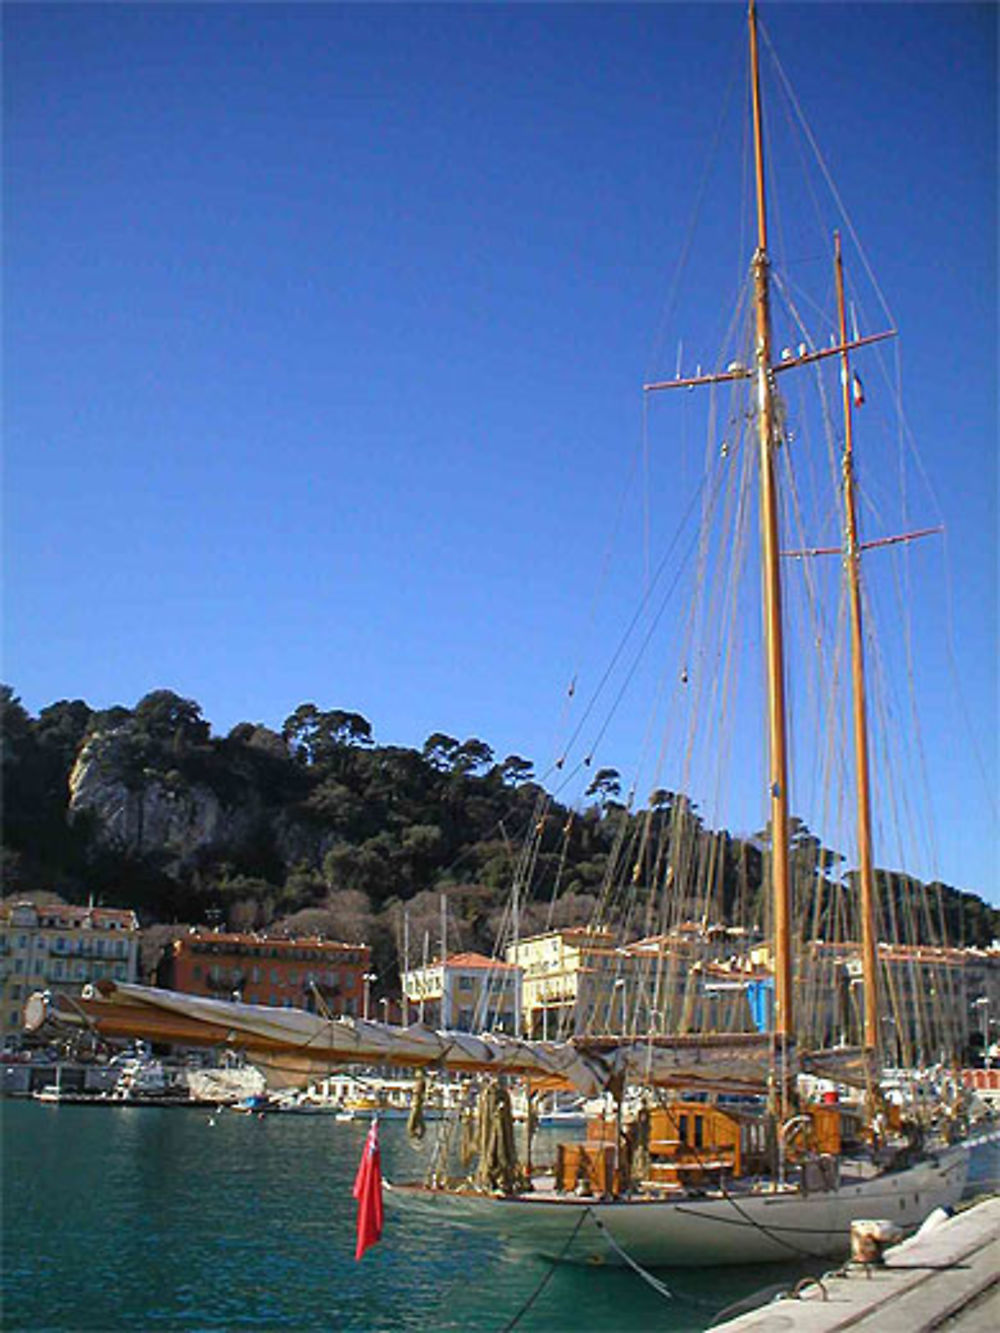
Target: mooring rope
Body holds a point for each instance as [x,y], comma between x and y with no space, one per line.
[650,1279]
[660,1287]
[553,1264]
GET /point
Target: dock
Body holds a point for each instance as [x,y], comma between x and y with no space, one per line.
[945,1277]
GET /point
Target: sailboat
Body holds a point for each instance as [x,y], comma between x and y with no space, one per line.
[693,1180]
[707,1191]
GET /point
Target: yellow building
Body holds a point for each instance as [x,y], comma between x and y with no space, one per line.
[467,992]
[60,948]
[572,979]
[579,980]
[695,978]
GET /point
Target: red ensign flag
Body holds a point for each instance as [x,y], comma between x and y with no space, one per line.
[368,1192]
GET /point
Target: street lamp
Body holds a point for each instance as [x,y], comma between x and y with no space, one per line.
[890,1037]
[620,986]
[982,1003]
[385,1009]
[368,978]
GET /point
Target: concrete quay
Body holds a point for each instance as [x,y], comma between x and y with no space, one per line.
[945,1277]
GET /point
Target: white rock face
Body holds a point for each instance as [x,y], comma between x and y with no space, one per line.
[147,811]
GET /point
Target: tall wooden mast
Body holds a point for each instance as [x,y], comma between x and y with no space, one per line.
[852,555]
[764,373]
[769,440]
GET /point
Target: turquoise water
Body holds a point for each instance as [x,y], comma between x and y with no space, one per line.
[150,1219]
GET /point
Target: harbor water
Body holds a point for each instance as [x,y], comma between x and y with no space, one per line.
[142,1218]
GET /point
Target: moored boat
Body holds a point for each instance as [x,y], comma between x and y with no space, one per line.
[675,1178]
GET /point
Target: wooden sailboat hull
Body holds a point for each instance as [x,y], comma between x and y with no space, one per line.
[740,1228]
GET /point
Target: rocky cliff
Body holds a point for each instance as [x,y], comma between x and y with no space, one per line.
[148,812]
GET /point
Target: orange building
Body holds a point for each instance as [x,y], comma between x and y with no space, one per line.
[307,973]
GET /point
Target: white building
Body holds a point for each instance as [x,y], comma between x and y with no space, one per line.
[467,992]
[60,948]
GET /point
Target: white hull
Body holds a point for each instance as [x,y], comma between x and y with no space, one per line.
[700,1232]
[386,1113]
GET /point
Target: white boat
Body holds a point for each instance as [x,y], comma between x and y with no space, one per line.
[225,1085]
[562,1110]
[138,1077]
[740,1225]
[52,1092]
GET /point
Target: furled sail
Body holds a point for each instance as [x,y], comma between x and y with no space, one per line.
[293,1046]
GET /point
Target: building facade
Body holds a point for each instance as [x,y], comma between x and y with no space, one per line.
[467,992]
[308,973]
[937,1004]
[60,948]
[579,980]
[569,980]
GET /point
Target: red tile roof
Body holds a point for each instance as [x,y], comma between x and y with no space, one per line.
[479,960]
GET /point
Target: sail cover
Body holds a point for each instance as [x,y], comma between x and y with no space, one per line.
[293,1046]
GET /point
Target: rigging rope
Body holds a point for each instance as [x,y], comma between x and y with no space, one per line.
[790,94]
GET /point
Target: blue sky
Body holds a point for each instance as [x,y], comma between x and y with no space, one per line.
[326,325]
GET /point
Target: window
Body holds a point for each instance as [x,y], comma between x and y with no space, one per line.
[682,1128]
[699,1131]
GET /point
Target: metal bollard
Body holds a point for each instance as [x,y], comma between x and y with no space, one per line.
[870,1239]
